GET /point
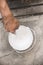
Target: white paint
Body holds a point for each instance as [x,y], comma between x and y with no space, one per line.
[22,39]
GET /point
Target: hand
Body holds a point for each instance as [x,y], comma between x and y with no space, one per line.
[11,25]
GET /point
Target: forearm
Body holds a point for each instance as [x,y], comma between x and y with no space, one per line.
[5,12]
[4,9]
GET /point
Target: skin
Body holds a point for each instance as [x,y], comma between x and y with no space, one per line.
[10,22]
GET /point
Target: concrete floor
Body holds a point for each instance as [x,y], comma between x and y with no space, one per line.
[9,56]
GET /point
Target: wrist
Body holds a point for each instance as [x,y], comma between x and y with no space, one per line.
[7,19]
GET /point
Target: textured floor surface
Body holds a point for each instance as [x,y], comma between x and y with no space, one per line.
[33,57]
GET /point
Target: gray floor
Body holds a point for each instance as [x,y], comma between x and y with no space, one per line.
[8,56]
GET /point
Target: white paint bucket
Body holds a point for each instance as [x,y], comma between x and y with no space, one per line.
[22,39]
